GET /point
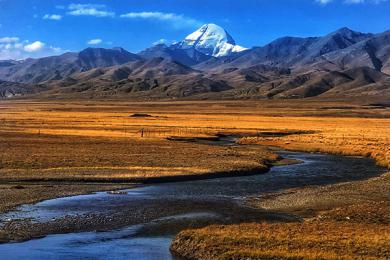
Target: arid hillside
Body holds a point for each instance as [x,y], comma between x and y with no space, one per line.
[342,65]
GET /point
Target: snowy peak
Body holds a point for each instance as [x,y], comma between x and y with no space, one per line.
[212,40]
[208,33]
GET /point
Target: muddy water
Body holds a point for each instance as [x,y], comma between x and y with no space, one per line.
[158,212]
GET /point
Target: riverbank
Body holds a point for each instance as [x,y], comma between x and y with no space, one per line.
[215,159]
[63,158]
[348,220]
[165,209]
[350,141]
[16,194]
[29,192]
[70,144]
[316,240]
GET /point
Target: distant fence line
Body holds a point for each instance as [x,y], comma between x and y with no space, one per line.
[163,132]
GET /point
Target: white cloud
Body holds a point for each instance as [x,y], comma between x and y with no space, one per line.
[55,49]
[35,46]
[94,41]
[55,17]
[177,20]
[152,15]
[16,49]
[89,10]
[324,2]
[18,45]
[7,46]
[161,41]
[9,39]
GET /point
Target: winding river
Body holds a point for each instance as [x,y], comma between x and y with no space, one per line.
[160,211]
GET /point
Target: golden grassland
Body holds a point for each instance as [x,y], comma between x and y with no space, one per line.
[342,221]
[57,157]
[352,136]
[100,140]
[89,140]
[364,201]
[91,136]
[307,240]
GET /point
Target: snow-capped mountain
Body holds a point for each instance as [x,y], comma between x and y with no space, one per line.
[212,40]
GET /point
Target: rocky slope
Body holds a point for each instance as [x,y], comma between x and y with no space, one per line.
[208,64]
[59,67]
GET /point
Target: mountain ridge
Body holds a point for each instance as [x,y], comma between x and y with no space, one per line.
[211,40]
[288,67]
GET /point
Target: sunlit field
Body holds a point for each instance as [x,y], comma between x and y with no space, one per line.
[202,130]
[41,135]
[309,240]
[61,147]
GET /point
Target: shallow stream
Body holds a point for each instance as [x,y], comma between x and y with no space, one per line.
[160,211]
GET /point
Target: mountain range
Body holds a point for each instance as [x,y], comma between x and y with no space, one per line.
[208,64]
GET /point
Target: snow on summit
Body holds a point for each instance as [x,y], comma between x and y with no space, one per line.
[212,40]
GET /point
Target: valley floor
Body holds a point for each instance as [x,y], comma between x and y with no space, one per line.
[51,149]
[341,221]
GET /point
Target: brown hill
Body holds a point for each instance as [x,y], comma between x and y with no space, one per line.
[341,65]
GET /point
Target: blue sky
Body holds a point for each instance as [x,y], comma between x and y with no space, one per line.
[35,28]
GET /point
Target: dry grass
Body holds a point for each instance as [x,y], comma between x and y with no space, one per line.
[345,136]
[56,157]
[93,140]
[346,221]
[90,141]
[308,240]
[102,140]
[365,201]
